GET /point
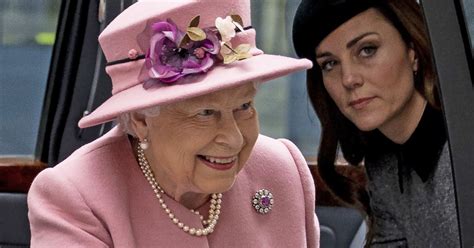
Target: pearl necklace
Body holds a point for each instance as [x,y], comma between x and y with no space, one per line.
[214,210]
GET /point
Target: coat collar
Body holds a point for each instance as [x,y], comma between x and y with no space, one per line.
[421,151]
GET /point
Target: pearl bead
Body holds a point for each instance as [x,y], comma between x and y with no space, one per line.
[214,210]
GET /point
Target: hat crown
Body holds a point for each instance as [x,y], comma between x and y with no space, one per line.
[154,59]
[322,17]
[121,35]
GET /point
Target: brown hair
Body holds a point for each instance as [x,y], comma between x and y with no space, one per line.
[337,130]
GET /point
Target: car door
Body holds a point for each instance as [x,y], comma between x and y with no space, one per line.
[449,24]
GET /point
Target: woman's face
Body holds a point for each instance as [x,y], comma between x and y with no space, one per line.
[200,145]
[367,70]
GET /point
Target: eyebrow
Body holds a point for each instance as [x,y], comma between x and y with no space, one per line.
[349,44]
[358,38]
[325,54]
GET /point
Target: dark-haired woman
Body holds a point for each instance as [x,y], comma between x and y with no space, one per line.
[373,88]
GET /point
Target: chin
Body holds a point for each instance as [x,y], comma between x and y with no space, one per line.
[366,121]
[366,125]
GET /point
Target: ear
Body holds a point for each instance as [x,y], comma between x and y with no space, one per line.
[139,125]
[413,57]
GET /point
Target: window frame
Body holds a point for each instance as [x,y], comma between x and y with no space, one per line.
[450,43]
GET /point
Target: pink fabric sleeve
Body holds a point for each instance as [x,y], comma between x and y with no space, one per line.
[50,200]
[307,182]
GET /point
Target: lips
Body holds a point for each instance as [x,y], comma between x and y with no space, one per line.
[218,163]
[360,103]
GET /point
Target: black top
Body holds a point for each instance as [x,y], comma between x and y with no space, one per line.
[411,187]
[420,152]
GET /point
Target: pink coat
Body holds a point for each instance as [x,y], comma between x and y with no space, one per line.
[98,197]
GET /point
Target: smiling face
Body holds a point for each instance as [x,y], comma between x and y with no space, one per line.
[199,145]
[367,70]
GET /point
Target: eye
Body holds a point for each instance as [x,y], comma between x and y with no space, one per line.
[368,51]
[327,65]
[206,112]
[245,111]
[245,106]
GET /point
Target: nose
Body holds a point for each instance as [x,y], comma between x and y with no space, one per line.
[351,77]
[228,133]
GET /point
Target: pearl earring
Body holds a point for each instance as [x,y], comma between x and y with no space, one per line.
[144,144]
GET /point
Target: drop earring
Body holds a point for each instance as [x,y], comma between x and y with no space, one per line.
[144,144]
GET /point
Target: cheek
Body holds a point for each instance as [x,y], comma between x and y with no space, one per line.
[398,85]
[336,93]
[179,146]
[250,129]
[250,132]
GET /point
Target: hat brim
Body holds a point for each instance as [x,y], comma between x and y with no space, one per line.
[260,68]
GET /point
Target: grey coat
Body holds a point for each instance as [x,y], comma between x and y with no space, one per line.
[411,188]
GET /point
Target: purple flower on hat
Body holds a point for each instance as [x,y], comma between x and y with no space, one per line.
[169,58]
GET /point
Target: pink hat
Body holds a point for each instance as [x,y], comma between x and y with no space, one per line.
[165,51]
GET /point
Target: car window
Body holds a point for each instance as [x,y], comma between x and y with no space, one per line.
[468,11]
[283,106]
[27,33]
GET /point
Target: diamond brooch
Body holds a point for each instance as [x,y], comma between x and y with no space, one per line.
[262,201]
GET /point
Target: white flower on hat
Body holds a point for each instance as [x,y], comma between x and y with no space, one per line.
[226,28]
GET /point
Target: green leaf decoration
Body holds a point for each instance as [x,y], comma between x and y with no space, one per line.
[228,48]
[242,56]
[242,48]
[195,21]
[196,34]
[185,40]
[229,58]
[243,51]
[238,19]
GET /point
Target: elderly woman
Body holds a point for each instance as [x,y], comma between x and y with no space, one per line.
[186,166]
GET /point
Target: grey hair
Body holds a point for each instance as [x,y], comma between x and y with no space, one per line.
[124,118]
